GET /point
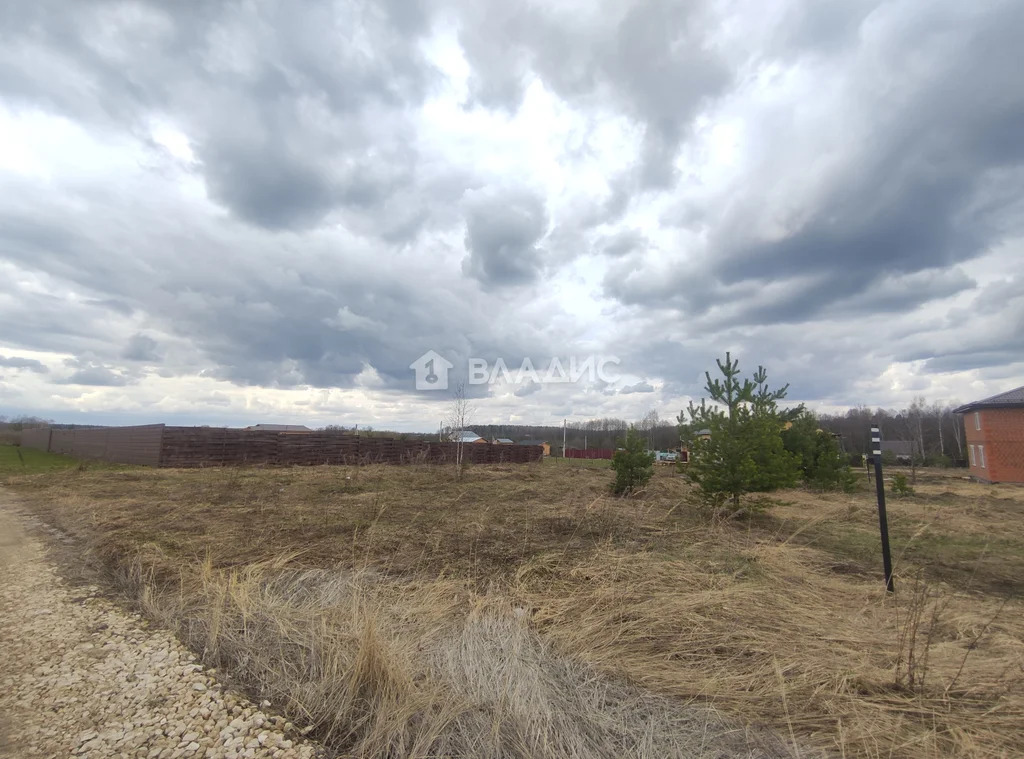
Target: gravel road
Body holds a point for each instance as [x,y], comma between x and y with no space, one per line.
[80,677]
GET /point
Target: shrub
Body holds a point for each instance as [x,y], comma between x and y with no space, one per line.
[900,487]
[633,464]
[857,460]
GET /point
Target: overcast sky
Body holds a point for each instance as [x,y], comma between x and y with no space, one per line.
[234,212]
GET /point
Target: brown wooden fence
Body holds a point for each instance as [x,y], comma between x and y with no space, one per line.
[123,445]
[212,446]
[158,445]
[36,437]
[589,453]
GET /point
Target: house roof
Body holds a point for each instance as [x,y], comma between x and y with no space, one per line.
[465,436]
[280,428]
[899,447]
[1010,399]
[503,440]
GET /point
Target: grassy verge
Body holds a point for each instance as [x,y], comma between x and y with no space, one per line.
[521,611]
[16,460]
[558,461]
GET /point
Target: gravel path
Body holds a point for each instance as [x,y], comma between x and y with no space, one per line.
[80,677]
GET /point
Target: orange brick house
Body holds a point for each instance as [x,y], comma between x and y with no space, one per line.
[995,436]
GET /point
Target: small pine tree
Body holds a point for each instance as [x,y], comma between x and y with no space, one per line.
[900,487]
[739,449]
[633,464]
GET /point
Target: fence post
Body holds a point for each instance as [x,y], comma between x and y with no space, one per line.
[883,521]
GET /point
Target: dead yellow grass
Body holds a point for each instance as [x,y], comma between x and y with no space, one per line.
[523,612]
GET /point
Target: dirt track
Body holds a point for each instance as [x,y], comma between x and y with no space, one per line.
[81,677]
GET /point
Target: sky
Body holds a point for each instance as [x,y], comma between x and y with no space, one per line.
[254,211]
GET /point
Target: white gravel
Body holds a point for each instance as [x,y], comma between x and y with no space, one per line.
[80,677]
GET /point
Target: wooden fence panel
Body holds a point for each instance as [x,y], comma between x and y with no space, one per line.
[589,453]
[119,445]
[211,446]
[36,437]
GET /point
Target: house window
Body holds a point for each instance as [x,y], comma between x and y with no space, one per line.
[977,420]
[981,456]
[971,447]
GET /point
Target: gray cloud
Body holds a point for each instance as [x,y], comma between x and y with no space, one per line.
[935,180]
[503,229]
[29,364]
[93,374]
[141,348]
[288,119]
[324,226]
[623,243]
[650,59]
[640,387]
[527,388]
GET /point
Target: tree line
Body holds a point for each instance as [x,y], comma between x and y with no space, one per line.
[937,433]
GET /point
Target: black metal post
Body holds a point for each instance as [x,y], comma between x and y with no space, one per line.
[883,521]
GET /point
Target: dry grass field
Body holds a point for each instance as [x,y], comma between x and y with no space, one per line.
[522,611]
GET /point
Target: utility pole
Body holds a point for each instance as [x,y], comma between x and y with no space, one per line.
[563,438]
[883,521]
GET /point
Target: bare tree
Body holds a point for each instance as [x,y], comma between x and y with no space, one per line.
[648,425]
[459,413]
[957,422]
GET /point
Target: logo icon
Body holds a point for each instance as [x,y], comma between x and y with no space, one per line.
[431,371]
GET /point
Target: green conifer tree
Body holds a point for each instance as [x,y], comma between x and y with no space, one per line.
[737,445]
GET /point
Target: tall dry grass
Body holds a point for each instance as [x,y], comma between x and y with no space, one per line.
[781,639]
[522,612]
[420,668]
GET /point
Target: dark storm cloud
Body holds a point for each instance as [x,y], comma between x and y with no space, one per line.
[341,247]
[29,364]
[289,118]
[935,181]
[987,332]
[253,309]
[503,229]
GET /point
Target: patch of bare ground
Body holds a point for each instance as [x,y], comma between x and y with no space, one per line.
[522,611]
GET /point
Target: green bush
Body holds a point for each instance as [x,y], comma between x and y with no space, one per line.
[633,464]
[900,487]
[857,460]
[822,465]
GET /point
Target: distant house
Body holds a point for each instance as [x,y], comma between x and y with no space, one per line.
[542,443]
[279,428]
[903,450]
[502,441]
[995,436]
[466,436]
